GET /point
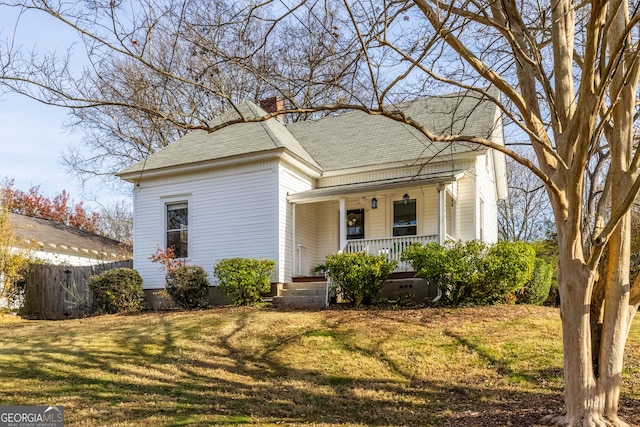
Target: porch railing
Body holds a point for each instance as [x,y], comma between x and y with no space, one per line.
[392,247]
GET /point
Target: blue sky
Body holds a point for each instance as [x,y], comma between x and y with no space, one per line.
[33,139]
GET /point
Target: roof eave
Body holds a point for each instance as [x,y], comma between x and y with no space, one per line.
[272,154]
[338,191]
[467,155]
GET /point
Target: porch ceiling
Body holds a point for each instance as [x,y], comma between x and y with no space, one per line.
[331,193]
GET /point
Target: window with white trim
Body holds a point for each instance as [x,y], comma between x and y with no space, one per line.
[177,215]
[404,218]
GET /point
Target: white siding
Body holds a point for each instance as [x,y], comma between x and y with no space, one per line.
[306,249]
[376,219]
[327,230]
[233,212]
[292,181]
[429,217]
[466,208]
[486,189]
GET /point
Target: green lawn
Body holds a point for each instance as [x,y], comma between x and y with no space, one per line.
[492,366]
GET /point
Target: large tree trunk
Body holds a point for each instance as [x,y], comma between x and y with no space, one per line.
[595,326]
[592,389]
[615,319]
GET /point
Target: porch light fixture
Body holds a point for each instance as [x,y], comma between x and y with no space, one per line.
[405,199]
[374,203]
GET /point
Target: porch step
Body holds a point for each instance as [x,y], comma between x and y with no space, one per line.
[305,285]
[299,302]
[302,292]
[301,295]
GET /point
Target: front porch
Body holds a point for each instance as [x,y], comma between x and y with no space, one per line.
[383,222]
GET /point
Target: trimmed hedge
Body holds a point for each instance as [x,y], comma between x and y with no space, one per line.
[117,290]
[473,273]
[244,280]
[188,286]
[358,277]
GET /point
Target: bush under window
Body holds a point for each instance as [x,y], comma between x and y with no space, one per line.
[188,286]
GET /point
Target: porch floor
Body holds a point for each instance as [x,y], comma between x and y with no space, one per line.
[392,276]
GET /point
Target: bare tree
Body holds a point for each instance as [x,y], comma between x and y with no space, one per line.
[526,214]
[172,66]
[116,222]
[564,73]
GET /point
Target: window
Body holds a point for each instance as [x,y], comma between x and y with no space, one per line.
[404,218]
[177,228]
[355,224]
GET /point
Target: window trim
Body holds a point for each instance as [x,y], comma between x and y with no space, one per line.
[171,200]
[393,217]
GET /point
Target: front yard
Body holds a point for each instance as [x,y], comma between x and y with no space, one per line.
[491,366]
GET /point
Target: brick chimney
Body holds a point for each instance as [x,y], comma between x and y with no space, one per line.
[273,105]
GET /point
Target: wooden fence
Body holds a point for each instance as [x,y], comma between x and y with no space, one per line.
[62,292]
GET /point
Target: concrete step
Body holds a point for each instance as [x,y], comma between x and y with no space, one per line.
[305,285]
[309,302]
[302,292]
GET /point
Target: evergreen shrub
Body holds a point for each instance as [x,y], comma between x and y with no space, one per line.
[117,290]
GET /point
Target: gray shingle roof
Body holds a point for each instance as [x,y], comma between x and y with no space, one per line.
[358,139]
[55,233]
[242,138]
[340,141]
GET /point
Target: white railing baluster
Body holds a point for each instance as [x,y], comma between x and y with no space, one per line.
[392,247]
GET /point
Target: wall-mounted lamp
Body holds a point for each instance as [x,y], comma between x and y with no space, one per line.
[374,203]
[405,199]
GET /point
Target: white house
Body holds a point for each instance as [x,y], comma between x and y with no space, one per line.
[297,192]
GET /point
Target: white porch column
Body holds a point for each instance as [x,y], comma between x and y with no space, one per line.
[442,214]
[294,248]
[343,224]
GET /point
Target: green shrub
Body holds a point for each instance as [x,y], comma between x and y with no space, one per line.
[536,291]
[358,277]
[473,273]
[456,268]
[244,280]
[188,286]
[117,290]
[508,266]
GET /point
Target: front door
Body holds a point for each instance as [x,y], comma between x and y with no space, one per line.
[355,224]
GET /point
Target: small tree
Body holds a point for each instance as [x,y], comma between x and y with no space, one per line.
[166,259]
[14,258]
[244,280]
[188,286]
[359,277]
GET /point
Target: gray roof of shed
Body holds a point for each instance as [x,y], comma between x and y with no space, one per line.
[54,233]
[338,141]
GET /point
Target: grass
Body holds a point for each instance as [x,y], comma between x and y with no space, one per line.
[492,366]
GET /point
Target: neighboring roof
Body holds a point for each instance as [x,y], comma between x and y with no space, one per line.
[54,236]
[339,141]
[242,138]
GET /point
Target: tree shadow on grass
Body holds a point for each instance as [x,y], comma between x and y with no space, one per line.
[204,370]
